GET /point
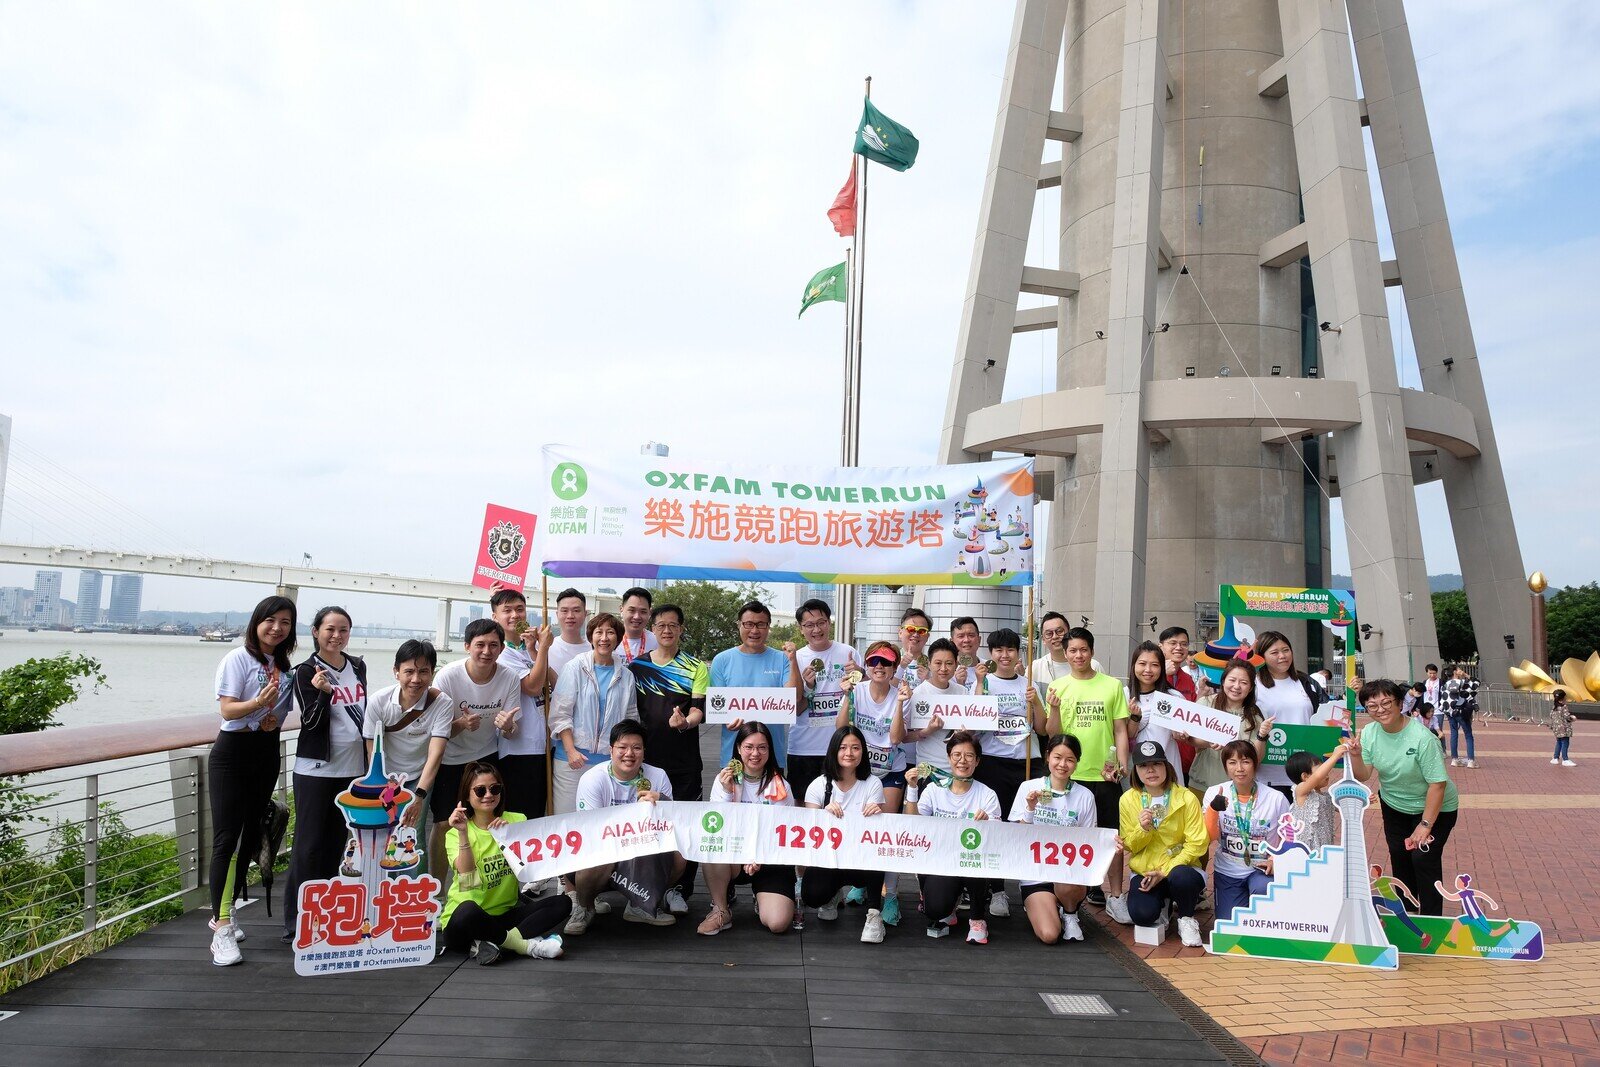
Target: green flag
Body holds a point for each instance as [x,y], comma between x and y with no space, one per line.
[826,284]
[883,140]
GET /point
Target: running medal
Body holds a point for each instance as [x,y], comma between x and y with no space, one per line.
[988,666]
[1157,807]
[736,765]
[927,772]
[853,676]
[818,666]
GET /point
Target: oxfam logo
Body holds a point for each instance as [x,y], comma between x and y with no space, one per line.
[1278,738]
[971,839]
[711,821]
[569,481]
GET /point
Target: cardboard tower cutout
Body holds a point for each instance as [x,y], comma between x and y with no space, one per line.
[370,915]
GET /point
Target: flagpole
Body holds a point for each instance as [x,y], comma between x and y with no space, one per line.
[846,623]
[1033,735]
[849,339]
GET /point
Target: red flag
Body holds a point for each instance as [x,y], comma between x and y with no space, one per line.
[843,212]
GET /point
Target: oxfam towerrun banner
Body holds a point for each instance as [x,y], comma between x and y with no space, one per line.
[653,517]
[1335,607]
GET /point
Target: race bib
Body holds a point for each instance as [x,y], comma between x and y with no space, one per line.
[824,706]
[1012,727]
[880,759]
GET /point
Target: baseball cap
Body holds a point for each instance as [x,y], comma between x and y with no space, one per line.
[1149,752]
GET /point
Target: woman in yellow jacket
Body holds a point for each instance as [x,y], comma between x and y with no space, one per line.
[1165,838]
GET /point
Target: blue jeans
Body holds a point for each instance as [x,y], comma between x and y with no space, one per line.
[1234,893]
[1562,743]
[1463,724]
[1182,885]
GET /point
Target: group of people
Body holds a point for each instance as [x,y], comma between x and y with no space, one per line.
[625,706]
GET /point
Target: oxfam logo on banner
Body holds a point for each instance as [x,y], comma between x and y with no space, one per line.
[569,481]
[1278,738]
[711,822]
[971,839]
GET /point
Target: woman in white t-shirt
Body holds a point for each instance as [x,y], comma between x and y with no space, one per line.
[1242,817]
[953,794]
[1284,695]
[1147,678]
[1055,800]
[757,779]
[846,785]
[878,708]
[330,691]
[1235,695]
[254,696]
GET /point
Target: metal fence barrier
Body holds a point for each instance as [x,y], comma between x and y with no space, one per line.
[106,841]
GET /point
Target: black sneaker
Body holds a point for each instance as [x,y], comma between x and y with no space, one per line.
[1097,897]
[488,953]
[287,937]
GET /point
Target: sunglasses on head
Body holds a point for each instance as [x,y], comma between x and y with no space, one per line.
[481,791]
[881,661]
[916,631]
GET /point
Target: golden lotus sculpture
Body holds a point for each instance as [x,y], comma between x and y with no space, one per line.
[1580,678]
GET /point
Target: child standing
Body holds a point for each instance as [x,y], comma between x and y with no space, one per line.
[1313,809]
[1561,718]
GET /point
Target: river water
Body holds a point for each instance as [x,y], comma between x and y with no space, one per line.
[151,677]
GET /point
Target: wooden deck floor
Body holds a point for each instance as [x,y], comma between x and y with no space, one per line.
[623,993]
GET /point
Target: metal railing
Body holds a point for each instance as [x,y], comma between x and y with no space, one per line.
[112,834]
[1513,705]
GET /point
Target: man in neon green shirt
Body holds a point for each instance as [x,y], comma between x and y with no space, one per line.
[1094,708]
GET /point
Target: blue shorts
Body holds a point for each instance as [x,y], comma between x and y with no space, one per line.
[893,780]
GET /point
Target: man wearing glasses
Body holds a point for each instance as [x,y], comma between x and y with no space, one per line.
[752,663]
[824,663]
[671,688]
[1053,664]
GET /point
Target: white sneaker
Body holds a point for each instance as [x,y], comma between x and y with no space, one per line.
[1189,932]
[1568,763]
[634,914]
[675,902]
[872,929]
[238,931]
[224,949]
[1071,928]
[830,911]
[1554,762]
[999,904]
[578,922]
[1472,764]
[545,948]
[1117,908]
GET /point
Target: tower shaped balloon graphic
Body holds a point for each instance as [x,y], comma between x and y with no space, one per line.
[372,807]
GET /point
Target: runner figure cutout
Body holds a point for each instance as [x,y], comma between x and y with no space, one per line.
[1472,915]
[1386,894]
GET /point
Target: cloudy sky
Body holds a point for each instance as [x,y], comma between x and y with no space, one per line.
[284,279]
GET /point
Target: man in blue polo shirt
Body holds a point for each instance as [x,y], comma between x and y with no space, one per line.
[752,663]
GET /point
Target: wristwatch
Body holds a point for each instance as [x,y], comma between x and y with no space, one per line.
[422,793]
[1425,822]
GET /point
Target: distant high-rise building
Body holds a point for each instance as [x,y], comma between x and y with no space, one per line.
[88,611]
[475,612]
[127,592]
[653,448]
[46,597]
[828,594]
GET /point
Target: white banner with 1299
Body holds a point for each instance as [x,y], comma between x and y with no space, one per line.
[809,837]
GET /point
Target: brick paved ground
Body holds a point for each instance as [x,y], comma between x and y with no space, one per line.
[1527,835]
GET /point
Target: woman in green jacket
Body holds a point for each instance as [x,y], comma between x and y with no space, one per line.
[1165,838]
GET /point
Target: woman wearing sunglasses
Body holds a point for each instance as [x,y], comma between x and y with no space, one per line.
[483,911]
[877,709]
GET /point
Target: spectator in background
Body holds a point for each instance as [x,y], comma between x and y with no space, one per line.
[1461,698]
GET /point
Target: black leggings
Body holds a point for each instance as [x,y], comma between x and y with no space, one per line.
[820,885]
[530,918]
[1417,869]
[941,893]
[240,772]
[1005,775]
[320,836]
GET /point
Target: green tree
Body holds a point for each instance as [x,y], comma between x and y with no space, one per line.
[1572,622]
[711,612]
[1458,642]
[31,693]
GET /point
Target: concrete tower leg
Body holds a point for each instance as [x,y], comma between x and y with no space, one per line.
[1475,488]
[1379,499]
[1119,595]
[989,311]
